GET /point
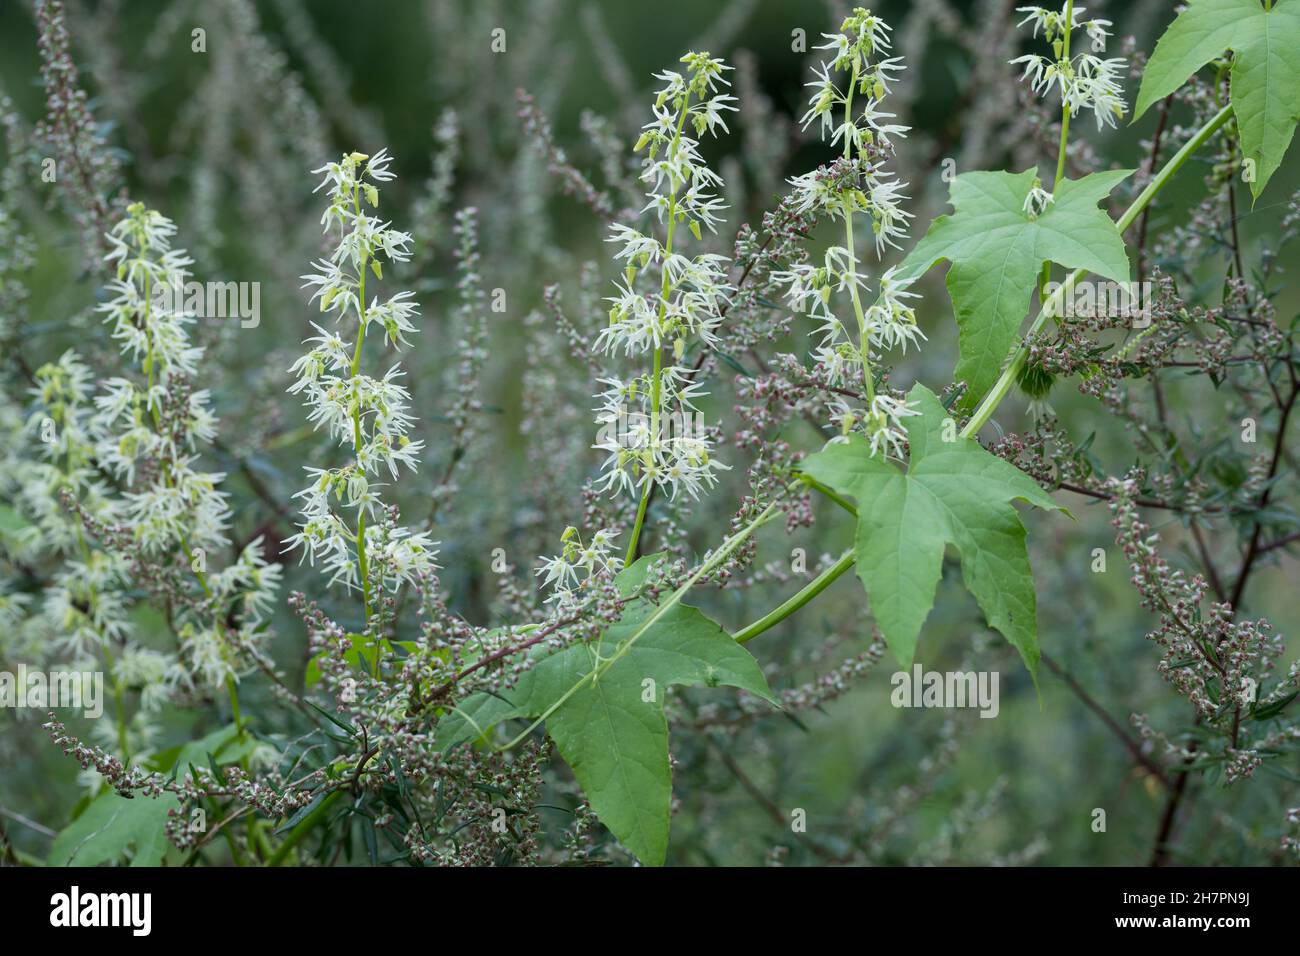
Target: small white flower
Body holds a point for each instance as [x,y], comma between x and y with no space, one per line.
[636,246]
[1098,33]
[1037,201]
[577,567]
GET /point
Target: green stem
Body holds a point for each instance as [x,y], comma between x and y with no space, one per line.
[716,558]
[864,339]
[148,332]
[257,832]
[1065,110]
[831,494]
[1060,150]
[119,706]
[236,854]
[1000,390]
[655,386]
[1008,377]
[812,588]
[1064,63]
[363,570]
[810,591]
[650,477]
[234,704]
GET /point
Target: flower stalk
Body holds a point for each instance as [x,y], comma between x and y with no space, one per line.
[369,413]
[642,452]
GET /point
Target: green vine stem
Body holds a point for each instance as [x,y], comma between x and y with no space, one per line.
[656,382]
[1003,386]
[716,558]
[1008,378]
[864,335]
[780,613]
[363,571]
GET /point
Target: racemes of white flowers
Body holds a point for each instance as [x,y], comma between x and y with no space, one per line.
[160,419]
[649,422]
[177,507]
[84,608]
[848,107]
[1084,80]
[62,425]
[370,415]
[81,616]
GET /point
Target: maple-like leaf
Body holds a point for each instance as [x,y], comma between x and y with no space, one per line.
[997,250]
[953,492]
[1265,77]
[610,728]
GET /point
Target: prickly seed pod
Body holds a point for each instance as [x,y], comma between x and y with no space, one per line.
[1034,380]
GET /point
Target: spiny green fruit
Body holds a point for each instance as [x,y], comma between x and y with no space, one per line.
[1035,381]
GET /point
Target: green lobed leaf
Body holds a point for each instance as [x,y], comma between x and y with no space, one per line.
[612,731]
[953,492]
[111,825]
[1265,73]
[997,252]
